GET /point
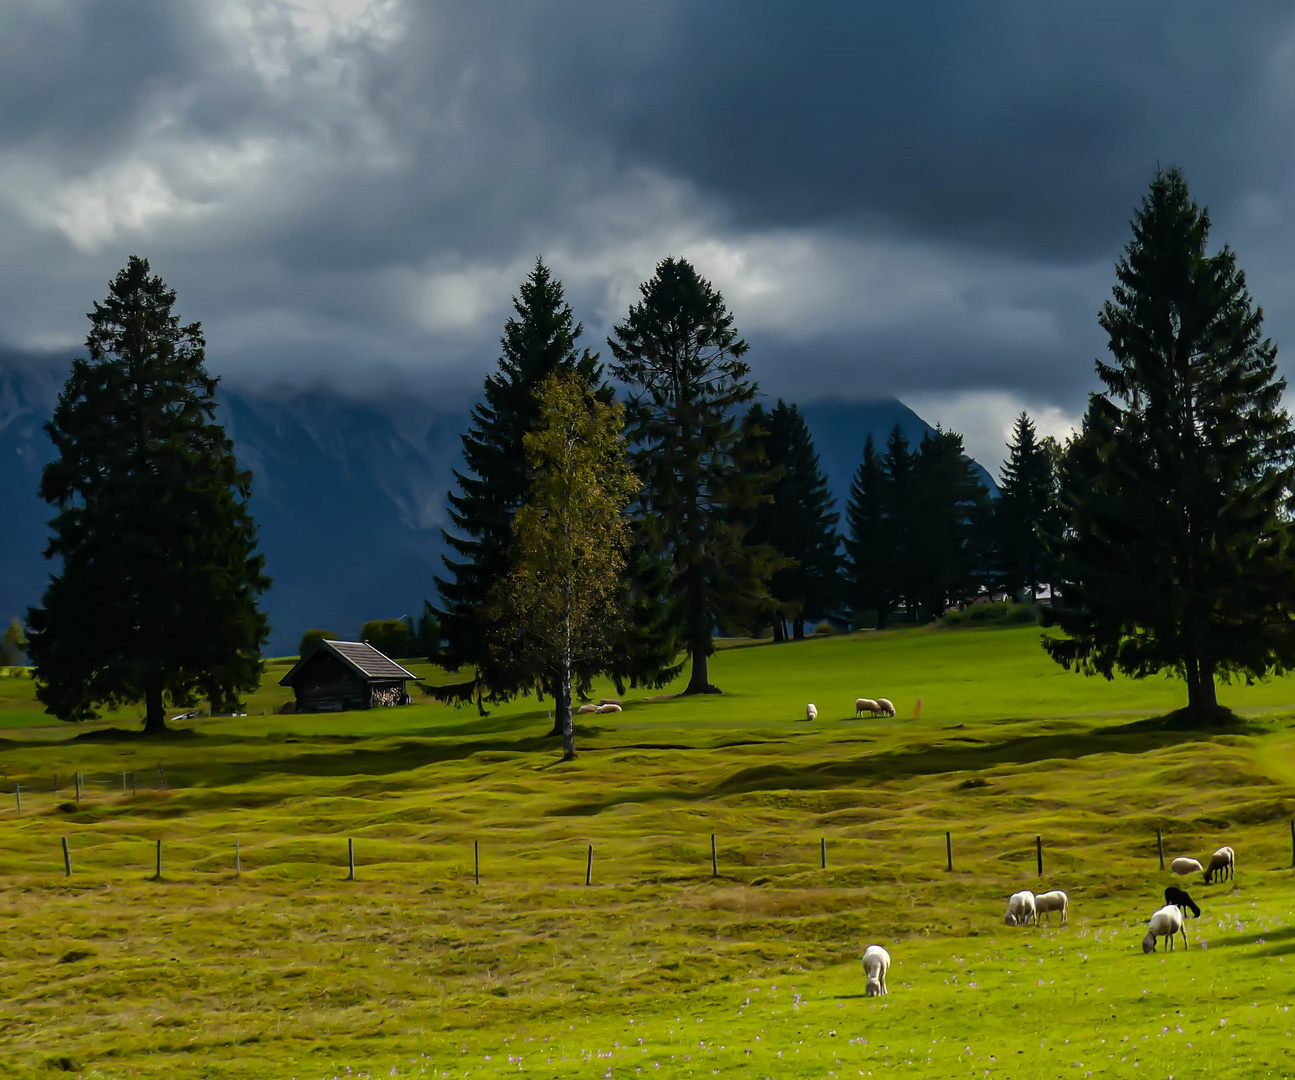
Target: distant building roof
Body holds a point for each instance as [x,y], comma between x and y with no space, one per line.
[358,655]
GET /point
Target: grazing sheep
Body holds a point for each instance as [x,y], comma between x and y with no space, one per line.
[1053,901]
[1165,923]
[1184,865]
[885,706]
[590,708]
[864,705]
[1174,895]
[876,962]
[1020,909]
[610,707]
[811,712]
[1222,864]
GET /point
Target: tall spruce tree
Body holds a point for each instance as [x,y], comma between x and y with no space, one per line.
[681,358]
[947,498]
[899,494]
[156,594]
[798,520]
[1176,494]
[1026,509]
[871,553]
[540,339]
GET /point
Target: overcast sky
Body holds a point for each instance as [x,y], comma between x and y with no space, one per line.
[914,198]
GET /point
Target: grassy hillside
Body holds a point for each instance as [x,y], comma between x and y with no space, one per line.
[289,970]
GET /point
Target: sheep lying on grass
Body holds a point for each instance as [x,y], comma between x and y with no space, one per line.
[1020,909]
[608,707]
[1183,865]
[1222,864]
[1053,901]
[811,712]
[1174,895]
[590,708]
[876,962]
[865,705]
[1165,923]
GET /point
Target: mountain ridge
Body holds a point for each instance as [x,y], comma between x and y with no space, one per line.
[348,495]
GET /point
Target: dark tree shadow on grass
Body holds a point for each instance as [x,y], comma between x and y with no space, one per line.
[954,755]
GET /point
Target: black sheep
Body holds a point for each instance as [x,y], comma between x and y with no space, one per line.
[1174,895]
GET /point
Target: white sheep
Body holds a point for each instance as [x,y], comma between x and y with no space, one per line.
[811,712]
[864,705]
[608,707]
[885,706]
[1222,863]
[1165,923]
[1020,909]
[1184,865]
[1055,900]
[590,708]
[876,962]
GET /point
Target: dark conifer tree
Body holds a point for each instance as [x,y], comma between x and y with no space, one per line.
[681,358]
[899,495]
[1025,509]
[1176,547]
[647,654]
[947,500]
[871,553]
[797,520]
[541,338]
[156,595]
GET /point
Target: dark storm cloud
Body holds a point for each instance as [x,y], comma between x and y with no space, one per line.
[900,198]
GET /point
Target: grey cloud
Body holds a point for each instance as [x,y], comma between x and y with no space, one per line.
[1011,140]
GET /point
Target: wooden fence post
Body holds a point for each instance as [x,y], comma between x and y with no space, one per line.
[17,794]
[67,858]
[822,852]
[589,867]
[350,855]
[1038,852]
[714,858]
[476,861]
[238,859]
[1160,846]
[158,876]
[948,849]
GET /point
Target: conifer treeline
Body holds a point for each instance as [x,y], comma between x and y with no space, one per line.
[734,528]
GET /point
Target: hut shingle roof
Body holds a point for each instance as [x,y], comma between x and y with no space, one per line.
[361,656]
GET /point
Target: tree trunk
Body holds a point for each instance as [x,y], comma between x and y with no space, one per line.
[154,710]
[798,628]
[562,714]
[555,694]
[1201,695]
[699,681]
[1205,687]
[779,628]
[481,708]
[1193,683]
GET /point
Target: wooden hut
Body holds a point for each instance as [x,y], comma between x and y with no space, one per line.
[339,675]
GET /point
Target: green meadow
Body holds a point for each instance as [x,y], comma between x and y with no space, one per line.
[659,967]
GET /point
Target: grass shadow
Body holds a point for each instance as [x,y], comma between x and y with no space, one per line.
[114,734]
[954,755]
